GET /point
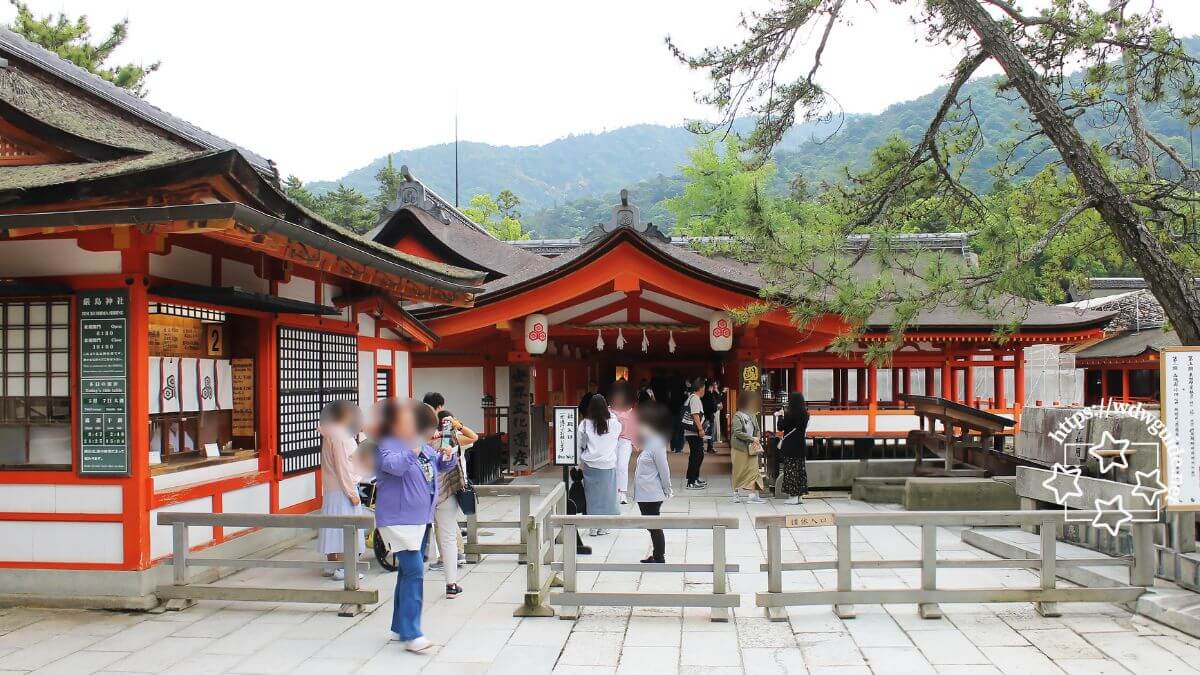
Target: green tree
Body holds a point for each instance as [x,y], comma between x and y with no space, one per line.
[294,188]
[72,40]
[347,207]
[1132,196]
[389,179]
[717,191]
[498,215]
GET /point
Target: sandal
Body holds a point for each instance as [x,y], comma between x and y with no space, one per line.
[452,591]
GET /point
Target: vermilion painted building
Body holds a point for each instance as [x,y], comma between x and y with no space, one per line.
[170,326]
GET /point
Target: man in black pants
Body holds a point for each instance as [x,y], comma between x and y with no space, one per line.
[712,405]
[695,434]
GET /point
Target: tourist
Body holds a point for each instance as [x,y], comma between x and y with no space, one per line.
[711,400]
[652,478]
[623,408]
[792,427]
[599,433]
[340,476]
[446,513]
[591,391]
[745,446]
[694,434]
[407,490]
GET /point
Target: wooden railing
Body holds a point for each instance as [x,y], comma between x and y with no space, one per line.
[541,535]
[927,597]
[474,549]
[570,599]
[180,593]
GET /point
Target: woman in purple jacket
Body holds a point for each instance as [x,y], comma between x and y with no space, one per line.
[406,492]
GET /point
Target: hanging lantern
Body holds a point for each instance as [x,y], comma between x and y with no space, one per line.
[671,341]
[599,340]
[645,342]
[720,331]
[537,333]
[620,339]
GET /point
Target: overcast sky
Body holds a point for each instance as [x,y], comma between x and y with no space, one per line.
[323,88]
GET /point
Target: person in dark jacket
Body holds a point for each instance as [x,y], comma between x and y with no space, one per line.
[577,505]
[792,427]
[712,406]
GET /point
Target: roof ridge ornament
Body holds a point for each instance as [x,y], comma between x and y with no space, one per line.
[625,215]
[412,192]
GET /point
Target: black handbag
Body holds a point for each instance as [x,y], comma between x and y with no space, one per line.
[466,498]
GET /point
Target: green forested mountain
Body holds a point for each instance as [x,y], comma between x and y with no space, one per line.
[570,184]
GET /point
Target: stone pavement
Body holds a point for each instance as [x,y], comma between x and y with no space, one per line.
[476,632]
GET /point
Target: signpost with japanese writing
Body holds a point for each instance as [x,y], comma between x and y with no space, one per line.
[520,396]
[566,445]
[103,383]
[1181,415]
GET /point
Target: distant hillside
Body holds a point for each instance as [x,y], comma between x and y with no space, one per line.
[570,184]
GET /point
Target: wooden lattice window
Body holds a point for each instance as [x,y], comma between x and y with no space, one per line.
[35,392]
[315,368]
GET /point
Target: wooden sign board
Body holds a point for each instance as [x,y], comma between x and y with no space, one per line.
[566,443]
[1180,456]
[810,520]
[177,336]
[243,397]
[214,339]
[103,383]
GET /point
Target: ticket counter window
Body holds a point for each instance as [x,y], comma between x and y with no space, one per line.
[35,395]
[201,410]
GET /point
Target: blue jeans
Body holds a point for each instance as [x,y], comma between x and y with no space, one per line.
[410,579]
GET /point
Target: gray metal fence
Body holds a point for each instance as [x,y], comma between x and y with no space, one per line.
[570,599]
[181,593]
[1045,596]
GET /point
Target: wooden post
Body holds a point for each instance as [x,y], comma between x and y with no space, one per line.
[775,570]
[473,537]
[720,614]
[798,378]
[948,374]
[872,377]
[1049,557]
[524,501]
[569,573]
[1125,384]
[350,537]
[1145,561]
[929,610]
[843,611]
[179,539]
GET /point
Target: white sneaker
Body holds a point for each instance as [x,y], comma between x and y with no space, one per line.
[793,501]
[737,499]
[340,575]
[419,645]
[755,499]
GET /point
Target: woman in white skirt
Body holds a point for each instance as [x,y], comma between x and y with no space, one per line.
[598,435]
[339,478]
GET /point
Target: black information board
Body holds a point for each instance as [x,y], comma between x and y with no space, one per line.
[103,382]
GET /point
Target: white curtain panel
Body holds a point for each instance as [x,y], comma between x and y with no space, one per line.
[168,385]
[189,385]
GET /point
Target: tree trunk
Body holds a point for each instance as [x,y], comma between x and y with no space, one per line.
[1172,285]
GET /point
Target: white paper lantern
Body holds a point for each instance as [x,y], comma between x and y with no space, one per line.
[537,333]
[720,331]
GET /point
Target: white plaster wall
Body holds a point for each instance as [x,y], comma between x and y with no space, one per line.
[183,264]
[297,489]
[897,422]
[331,291]
[22,541]
[403,370]
[46,257]
[253,499]
[204,474]
[366,325]
[501,385]
[240,274]
[60,498]
[462,387]
[837,423]
[298,288]
[366,378]
[160,535]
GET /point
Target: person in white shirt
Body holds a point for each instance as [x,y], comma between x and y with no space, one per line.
[599,433]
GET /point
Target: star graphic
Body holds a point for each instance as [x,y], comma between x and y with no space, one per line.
[1060,495]
[1106,443]
[1118,508]
[1144,487]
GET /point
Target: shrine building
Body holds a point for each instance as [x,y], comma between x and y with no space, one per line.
[171,325]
